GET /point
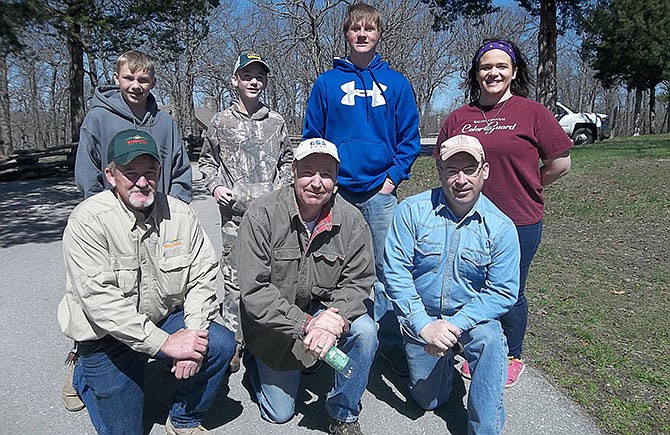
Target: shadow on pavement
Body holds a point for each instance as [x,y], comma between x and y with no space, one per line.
[311,400]
[35,211]
[159,386]
[314,388]
[453,412]
[311,403]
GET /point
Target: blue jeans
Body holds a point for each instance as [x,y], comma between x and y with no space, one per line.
[109,377]
[378,210]
[430,378]
[515,321]
[276,391]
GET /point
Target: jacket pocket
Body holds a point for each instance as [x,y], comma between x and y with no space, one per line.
[126,268]
[327,272]
[365,160]
[473,265]
[427,256]
[285,264]
[173,278]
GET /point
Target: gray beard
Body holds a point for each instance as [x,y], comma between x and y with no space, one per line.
[142,204]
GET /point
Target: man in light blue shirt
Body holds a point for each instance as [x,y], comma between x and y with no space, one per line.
[451,266]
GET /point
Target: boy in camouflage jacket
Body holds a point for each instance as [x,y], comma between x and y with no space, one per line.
[246,153]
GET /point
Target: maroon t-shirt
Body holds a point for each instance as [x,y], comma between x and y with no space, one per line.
[519,135]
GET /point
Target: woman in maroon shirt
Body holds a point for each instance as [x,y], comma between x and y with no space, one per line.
[517,134]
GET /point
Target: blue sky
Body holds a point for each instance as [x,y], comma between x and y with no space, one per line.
[504,2]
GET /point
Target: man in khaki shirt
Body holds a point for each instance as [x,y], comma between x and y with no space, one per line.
[140,283]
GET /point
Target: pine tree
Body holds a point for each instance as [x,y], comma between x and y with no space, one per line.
[626,41]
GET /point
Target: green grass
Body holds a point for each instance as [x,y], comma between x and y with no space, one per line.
[598,288]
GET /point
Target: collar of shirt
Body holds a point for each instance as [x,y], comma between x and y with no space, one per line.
[327,219]
[134,219]
[474,213]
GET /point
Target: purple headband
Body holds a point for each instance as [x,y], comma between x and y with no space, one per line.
[496,45]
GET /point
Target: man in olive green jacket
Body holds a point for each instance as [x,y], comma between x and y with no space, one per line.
[305,272]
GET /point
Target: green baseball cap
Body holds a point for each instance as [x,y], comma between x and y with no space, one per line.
[130,144]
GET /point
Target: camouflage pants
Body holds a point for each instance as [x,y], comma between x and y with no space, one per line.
[230,308]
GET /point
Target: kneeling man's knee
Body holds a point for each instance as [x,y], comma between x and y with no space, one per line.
[488,334]
[277,411]
[364,330]
[221,343]
[425,400]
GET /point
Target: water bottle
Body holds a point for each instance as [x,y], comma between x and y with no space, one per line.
[340,361]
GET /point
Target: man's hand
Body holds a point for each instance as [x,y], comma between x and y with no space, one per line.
[223,195]
[323,331]
[187,344]
[330,321]
[184,369]
[388,187]
[318,342]
[440,336]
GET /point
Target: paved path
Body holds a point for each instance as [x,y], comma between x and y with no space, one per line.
[32,217]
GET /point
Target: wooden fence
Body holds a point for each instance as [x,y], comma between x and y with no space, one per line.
[26,164]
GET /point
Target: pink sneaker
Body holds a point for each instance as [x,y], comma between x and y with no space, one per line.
[465,370]
[514,369]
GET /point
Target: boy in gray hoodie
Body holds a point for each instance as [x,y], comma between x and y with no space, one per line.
[129,104]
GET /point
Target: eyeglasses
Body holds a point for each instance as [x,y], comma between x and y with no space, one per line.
[469,171]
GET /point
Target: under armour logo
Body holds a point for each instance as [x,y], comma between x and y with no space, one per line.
[350,94]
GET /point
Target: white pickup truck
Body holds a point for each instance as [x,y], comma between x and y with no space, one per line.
[583,128]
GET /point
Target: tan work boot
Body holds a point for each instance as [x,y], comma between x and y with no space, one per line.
[171,430]
[235,363]
[70,397]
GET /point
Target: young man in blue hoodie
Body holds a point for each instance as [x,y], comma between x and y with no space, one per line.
[129,104]
[368,110]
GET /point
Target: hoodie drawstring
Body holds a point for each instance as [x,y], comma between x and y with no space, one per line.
[381,90]
[367,110]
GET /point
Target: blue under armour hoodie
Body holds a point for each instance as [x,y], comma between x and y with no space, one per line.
[371,116]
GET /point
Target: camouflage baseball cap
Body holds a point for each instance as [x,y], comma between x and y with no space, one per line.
[247,58]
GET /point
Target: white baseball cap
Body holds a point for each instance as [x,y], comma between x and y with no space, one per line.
[316,146]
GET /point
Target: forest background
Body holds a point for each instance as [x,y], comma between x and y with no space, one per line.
[594,56]
[599,284]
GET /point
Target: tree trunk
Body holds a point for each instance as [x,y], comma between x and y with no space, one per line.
[190,108]
[53,128]
[546,65]
[36,136]
[92,70]
[636,116]
[76,73]
[187,95]
[652,109]
[6,147]
[176,97]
